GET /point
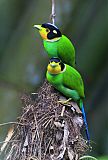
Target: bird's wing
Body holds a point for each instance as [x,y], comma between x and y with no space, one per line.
[72,79]
[66,51]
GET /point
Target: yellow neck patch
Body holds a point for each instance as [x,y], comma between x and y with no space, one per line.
[43,33]
[54,70]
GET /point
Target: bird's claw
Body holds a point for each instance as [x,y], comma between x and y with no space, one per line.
[65,101]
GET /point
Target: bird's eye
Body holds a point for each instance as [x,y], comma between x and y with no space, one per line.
[47,30]
[54,31]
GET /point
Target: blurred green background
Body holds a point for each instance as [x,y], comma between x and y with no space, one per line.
[23,60]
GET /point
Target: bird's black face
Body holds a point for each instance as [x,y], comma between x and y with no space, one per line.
[52,31]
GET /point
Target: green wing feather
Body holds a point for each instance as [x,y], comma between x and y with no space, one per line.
[72,79]
[66,51]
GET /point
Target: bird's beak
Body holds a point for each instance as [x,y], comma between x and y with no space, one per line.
[38,27]
[53,64]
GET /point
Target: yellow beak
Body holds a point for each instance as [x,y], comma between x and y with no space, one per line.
[38,27]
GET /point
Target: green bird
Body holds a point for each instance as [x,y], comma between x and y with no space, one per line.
[68,81]
[56,44]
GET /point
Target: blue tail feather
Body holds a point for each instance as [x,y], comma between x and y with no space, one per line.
[85,122]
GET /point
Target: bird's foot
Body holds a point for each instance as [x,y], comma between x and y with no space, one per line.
[65,101]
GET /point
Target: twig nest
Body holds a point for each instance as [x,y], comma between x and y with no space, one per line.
[50,130]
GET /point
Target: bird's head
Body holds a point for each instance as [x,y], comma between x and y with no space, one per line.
[55,66]
[49,32]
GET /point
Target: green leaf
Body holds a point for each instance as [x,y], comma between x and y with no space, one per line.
[103,158]
[88,158]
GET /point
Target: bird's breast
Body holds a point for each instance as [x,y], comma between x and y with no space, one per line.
[54,79]
[51,48]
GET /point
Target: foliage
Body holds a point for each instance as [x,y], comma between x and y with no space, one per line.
[103,158]
[87,158]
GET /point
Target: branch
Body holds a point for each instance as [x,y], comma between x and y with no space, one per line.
[53,15]
[7,123]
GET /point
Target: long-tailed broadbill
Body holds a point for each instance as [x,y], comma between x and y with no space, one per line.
[68,81]
[56,44]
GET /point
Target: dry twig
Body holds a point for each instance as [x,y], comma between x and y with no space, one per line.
[47,135]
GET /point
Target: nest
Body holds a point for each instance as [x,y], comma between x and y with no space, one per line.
[47,129]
